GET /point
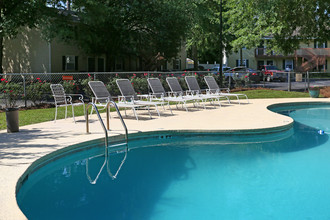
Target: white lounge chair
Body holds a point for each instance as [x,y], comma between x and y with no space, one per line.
[102,97]
[176,90]
[128,95]
[64,100]
[159,93]
[215,89]
[196,90]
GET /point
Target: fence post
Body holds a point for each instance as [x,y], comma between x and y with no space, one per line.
[289,81]
[305,82]
[307,79]
[24,91]
[229,81]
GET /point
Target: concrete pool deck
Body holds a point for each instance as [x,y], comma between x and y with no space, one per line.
[19,150]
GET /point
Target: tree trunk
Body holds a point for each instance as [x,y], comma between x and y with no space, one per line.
[221,45]
[1,52]
[195,56]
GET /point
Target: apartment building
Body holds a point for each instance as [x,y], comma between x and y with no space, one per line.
[30,53]
[313,56]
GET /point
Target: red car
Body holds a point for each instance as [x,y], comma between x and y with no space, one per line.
[272,73]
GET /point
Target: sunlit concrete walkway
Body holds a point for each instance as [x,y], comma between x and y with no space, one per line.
[19,150]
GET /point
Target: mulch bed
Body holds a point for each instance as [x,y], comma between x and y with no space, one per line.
[325,91]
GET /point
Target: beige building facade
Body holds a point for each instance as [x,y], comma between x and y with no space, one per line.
[30,53]
[314,56]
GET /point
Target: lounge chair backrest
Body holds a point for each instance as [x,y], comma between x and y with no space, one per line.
[174,85]
[211,83]
[99,90]
[192,83]
[156,87]
[126,89]
[58,93]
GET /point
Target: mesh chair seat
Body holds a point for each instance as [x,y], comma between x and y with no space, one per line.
[64,100]
[215,89]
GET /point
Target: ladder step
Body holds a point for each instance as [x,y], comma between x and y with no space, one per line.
[118,145]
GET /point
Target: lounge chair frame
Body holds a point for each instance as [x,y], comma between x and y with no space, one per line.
[64,100]
[102,97]
[128,95]
[215,89]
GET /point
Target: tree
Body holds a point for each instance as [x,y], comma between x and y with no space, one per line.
[15,14]
[118,28]
[285,22]
[206,39]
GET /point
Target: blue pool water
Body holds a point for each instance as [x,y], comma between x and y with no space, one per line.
[197,176]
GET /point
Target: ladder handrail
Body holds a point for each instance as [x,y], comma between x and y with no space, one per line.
[106,161]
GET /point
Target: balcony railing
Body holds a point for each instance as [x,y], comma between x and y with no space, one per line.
[266,53]
[302,52]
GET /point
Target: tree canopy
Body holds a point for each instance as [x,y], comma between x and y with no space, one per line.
[143,28]
[15,14]
[285,22]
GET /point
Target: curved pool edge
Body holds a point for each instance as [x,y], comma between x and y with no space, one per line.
[8,196]
[136,136]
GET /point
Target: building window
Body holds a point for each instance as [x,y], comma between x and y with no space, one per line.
[245,63]
[176,64]
[96,67]
[270,62]
[69,63]
[91,64]
[100,65]
[318,44]
[260,64]
[119,64]
[324,67]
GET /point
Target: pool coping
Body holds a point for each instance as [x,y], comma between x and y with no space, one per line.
[13,211]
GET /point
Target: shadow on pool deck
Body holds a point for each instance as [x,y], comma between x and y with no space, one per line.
[16,149]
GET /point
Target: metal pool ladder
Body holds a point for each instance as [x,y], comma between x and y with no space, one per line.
[106,142]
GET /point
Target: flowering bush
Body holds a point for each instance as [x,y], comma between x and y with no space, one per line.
[112,86]
[37,90]
[315,87]
[140,85]
[70,87]
[10,93]
[85,87]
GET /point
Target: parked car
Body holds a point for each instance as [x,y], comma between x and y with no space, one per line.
[272,73]
[242,71]
[216,69]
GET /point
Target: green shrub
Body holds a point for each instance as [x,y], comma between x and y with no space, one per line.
[37,91]
[10,93]
[70,87]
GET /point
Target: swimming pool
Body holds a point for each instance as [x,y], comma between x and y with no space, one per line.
[280,175]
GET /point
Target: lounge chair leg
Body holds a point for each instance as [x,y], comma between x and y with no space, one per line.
[157,110]
[55,113]
[135,113]
[149,111]
[238,100]
[73,113]
[185,105]
[169,106]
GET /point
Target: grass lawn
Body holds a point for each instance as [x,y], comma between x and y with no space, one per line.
[33,116]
